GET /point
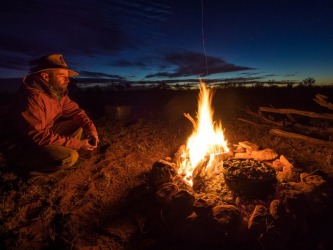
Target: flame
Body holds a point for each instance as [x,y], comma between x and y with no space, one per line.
[207,138]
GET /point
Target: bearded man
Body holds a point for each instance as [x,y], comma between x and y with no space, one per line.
[44,128]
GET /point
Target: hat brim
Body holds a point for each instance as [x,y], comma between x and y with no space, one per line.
[71,73]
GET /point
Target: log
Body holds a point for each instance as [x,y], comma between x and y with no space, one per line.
[253,123]
[264,119]
[322,101]
[198,175]
[319,131]
[298,112]
[308,139]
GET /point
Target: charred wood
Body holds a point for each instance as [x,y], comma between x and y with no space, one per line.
[198,175]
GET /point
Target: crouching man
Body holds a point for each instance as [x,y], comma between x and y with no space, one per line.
[44,126]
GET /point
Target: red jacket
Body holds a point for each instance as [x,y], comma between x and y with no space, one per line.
[35,112]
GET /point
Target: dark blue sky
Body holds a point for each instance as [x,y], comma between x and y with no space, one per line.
[172,39]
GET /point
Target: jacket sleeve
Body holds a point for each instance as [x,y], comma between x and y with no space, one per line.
[39,118]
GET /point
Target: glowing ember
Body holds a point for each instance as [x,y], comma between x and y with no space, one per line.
[206,140]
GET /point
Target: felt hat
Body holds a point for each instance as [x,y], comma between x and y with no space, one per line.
[54,61]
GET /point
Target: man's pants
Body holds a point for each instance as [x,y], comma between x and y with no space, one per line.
[49,158]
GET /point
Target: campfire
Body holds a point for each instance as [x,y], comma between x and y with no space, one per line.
[207,141]
[233,191]
[207,153]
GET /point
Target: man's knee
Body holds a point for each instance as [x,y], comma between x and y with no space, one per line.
[69,161]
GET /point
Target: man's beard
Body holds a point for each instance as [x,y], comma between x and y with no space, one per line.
[58,91]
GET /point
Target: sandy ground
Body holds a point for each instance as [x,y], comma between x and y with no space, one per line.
[97,204]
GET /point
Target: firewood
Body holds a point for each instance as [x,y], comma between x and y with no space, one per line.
[322,101]
[266,154]
[253,123]
[198,175]
[297,112]
[320,131]
[190,118]
[295,136]
[262,118]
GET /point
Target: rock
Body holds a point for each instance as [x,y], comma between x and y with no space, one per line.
[264,155]
[308,183]
[302,187]
[284,176]
[285,162]
[315,180]
[249,146]
[164,193]
[182,204]
[202,208]
[227,218]
[161,173]
[173,166]
[239,149]
[277,165]
[293,200]
[276,209]
[243,156]
[258,221]
[168,159]
[278,233]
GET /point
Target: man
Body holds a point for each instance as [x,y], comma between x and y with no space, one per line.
[44,127]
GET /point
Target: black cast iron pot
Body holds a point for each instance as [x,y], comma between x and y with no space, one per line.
[249,178]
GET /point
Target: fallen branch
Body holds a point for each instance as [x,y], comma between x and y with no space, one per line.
[253,123]
[308,139]
[188,116]
[298,112]
[322,101]
[263,118]
[270,123]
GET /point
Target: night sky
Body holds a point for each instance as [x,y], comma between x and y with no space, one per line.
[141,40]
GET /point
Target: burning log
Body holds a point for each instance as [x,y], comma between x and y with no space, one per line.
[198,175]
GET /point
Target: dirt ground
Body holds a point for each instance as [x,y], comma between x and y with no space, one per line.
[98,204]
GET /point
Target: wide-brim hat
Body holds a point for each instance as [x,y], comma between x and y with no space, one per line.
[54,61]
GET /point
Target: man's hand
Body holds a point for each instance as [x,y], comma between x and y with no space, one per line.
[93,138]
[87,146]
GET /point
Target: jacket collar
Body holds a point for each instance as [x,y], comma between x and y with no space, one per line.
[36,82]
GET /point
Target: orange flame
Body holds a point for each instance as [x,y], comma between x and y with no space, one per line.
[207,137]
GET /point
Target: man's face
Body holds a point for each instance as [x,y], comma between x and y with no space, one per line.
[58,79]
